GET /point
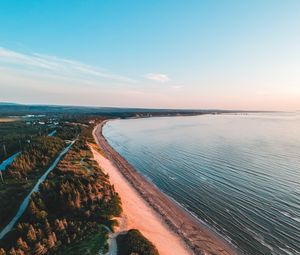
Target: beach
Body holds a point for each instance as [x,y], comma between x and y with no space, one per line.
[168,226]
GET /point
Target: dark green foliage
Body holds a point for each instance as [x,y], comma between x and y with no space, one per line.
[35,156]
[67,131]
[86,133]
[89,246]
[67,215]
[133,242]
[14,136]
[69,209]
[22,174]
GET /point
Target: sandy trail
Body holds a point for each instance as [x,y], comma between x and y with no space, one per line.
[112,242]
[137,213]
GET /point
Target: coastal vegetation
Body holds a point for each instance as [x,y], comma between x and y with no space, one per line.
[70,209]
[15,135]
[134,243]
[74,206]
[67,131]
[36,155]
[94,244]
[25,170]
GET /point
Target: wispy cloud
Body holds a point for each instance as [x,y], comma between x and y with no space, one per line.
[158,77]
[177,87]
[56,66]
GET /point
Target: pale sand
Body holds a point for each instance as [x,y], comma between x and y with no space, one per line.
[139,215]
[8,119]
[174,227]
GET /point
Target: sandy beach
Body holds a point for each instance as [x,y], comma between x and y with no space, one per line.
[138,215]
[172,230]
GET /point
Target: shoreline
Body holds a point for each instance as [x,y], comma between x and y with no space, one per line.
[137,214]
[196,236]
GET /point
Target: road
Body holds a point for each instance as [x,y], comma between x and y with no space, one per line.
[26,201]
[9,160]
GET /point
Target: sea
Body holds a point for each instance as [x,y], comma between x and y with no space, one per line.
[237,173]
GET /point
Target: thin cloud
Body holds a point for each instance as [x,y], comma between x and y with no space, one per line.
[177,87]
[157,77]
[56,66]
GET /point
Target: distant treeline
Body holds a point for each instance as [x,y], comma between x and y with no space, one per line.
[18,110]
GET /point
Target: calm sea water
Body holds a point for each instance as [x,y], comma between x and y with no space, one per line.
[238,173]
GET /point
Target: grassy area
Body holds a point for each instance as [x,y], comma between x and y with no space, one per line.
[96,148]
[92,245]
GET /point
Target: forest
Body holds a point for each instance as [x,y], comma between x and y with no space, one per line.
[36,155]
[86,202]
[73,207]
[22,174]
[15,135]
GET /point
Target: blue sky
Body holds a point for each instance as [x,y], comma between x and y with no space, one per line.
[170,54]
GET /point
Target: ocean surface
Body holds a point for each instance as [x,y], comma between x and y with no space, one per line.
[240,174]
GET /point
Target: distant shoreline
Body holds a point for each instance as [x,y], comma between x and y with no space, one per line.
[198,237]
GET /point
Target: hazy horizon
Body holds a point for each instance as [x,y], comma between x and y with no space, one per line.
[153,108]
[229,55]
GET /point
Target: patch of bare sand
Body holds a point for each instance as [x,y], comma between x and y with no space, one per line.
[139,215]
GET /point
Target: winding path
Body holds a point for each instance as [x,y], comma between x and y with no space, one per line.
[26,201]
[112,242]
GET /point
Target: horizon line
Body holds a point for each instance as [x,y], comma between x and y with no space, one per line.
[138,108]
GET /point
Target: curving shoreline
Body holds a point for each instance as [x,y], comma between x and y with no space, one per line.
[198,237]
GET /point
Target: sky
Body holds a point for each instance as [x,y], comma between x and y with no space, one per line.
[203,54]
